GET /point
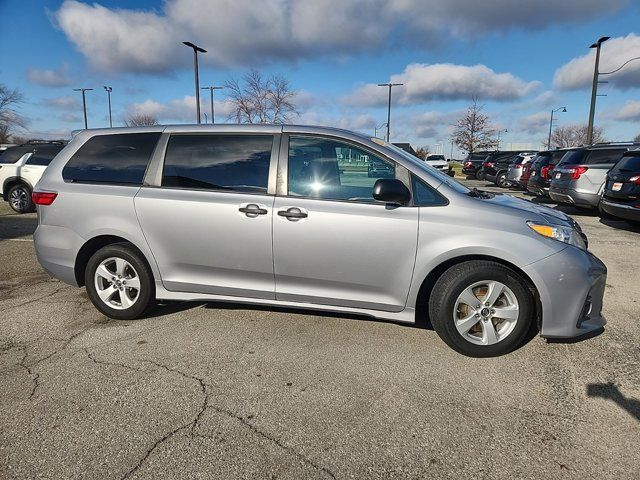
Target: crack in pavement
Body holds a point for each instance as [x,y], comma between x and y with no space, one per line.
[113,364]
[193,424]
[34,300]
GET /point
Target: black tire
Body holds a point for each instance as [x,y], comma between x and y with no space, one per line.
[146,293]
[480,175]
[457,278]
[501,180]
[605,215]
[20,200]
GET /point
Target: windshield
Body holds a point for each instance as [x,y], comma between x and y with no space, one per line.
[433,172]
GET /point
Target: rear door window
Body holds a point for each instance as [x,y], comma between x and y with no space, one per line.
[117,159]
[237,163]
[604,156]
[43,155]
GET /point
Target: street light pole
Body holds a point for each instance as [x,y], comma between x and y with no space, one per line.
[594,88]
[561,109]
[109,90]
[211,88]
[390,85]
[84,103]
[376,128]
[499,132]
[196,49]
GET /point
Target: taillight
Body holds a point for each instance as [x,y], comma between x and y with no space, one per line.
[43,198]
[517,165]
[575,171]
[488,164]
[467,164]
[544,172]
[635,180]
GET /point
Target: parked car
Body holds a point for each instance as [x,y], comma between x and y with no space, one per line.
[20,169]
[261,214]
[438,161]
[579,178]
[621,196]
[516,169]
[488,163]
[541,171]
[473,163]
[497,171]
[376,169]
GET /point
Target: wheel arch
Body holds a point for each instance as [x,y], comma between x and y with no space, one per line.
[426,287]
[94,244]
[10,182]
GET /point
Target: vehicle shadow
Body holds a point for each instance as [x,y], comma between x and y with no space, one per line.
[621,224]
[610,391]
[16,226]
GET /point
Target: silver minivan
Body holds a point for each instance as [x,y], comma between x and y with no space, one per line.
[291,216]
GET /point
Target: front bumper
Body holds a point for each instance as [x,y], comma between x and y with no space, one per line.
[571,286]
[628,212]
[573,197]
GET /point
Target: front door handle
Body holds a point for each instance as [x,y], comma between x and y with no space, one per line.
[253,210]
[293,213]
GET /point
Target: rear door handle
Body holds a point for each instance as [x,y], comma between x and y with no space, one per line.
[253,210]
[293,213]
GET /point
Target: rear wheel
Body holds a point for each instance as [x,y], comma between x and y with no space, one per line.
[20,198]
[481,308]
[480,175]
[119,282]
[501,179]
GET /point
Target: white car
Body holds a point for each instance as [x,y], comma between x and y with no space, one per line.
[438,161]
[20,169]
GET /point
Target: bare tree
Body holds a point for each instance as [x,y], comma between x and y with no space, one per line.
[140,120]
[574,136]
[10,119]
[257,99]
[422,152]
[473,131]
[636,138]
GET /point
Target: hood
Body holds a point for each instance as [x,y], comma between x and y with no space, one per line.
[550,215]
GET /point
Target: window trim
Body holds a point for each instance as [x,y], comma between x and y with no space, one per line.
[153,178]
[282,189]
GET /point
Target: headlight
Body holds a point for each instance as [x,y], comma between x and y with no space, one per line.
[559,232]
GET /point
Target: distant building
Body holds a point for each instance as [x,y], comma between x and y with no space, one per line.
[406,147]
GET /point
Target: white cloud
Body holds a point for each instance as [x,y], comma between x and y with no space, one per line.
[629,112]
[241,32]
[66,102]
[180,110]
[443,81]
[578,73]
[535,123]
[58,77]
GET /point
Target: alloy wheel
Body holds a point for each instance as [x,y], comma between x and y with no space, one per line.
[486,312]
[19,199]
[117,283]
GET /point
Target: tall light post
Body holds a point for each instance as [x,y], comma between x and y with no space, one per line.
[389,85]
[211,88]
[499,133]
[84,103]
[561,109]
[594,87]
[196,49]
[109,90]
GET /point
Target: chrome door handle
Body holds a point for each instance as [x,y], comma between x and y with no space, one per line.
[293,213]
[253,210]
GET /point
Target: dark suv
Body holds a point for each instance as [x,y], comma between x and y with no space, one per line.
[621,196]
[496,166]
[541,170]
[473,163]
[579,178]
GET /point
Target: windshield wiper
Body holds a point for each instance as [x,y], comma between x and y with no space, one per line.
[474,192]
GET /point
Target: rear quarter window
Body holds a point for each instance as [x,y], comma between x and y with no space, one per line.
[43,155]
[118,159]
[596,157]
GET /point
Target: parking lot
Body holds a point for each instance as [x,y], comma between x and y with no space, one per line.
[228,391]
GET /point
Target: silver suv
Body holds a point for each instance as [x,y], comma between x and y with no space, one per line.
[579,177]
[283,216]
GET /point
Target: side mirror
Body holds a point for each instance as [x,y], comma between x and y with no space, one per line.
[391,190]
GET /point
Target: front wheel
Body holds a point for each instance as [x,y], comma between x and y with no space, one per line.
[20,199]
[481,308]
[119,282]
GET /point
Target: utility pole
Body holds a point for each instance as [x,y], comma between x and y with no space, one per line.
[196,49]
[594,88]
[561,109]
[109,90]
[390,85]
[84,103]
[211,88]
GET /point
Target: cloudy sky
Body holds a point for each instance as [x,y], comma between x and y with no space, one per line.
[520,57]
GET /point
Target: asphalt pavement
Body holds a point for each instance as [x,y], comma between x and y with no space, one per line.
[226,391]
